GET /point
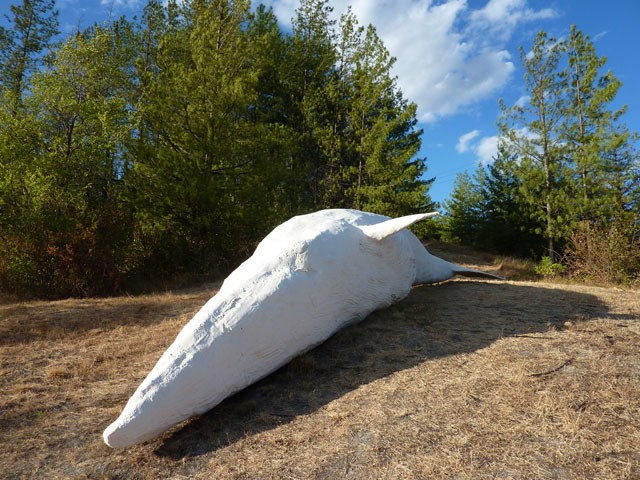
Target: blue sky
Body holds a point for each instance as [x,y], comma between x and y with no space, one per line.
[456,58]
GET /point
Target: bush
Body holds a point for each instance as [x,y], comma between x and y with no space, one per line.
[605,254]
[549,269]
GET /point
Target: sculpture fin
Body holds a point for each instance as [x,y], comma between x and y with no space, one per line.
[469,272]
[380,231]
[432,269]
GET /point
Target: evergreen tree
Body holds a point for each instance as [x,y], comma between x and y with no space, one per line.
[279,189]
[191,186]
[574,162]
[23,45]
[464,209]
[176,142]
[531,132]
[387,141]
[588,128]
[508,225]
[336,139]
[309,68]
[360,128]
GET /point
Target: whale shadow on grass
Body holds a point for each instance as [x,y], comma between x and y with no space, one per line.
[433,321]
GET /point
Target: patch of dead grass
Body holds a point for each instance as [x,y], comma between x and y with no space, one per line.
[511,268]
[465,379]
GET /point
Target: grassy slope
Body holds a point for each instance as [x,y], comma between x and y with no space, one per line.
[467,379]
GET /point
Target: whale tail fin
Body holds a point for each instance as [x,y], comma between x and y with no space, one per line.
[470,272]
[432,269]
[380,231]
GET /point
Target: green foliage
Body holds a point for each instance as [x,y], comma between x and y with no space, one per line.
[191,169]
[465,209]
[508,225]
[547,268]
[171,145]
[566,174]
[68,218]
[529,132]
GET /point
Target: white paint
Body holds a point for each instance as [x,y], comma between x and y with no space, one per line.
[310,277]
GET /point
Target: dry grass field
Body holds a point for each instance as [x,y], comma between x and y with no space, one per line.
[461,380]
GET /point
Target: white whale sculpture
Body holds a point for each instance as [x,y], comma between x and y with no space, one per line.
[310,277]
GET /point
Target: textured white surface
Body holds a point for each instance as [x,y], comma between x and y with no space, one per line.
[310,277]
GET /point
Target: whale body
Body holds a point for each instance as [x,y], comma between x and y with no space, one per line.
[310,277]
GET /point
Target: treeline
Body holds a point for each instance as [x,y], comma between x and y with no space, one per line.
[565,185]
[150,148]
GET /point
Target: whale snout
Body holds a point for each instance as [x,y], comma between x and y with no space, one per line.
[113,436]
[130,429]
[116,435]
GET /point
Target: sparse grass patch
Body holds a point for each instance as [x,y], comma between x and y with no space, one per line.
[515,268]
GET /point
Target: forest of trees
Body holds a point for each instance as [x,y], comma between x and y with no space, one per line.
[565,184]
[171,144]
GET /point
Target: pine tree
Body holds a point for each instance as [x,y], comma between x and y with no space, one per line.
[23,45]
[190,186]
[590,130]
[538,145]
[387,139]
[335,137]
[279,189]
[464,209]
[574,161]
[508,225]
[175,143]
[309,68]
[364,130]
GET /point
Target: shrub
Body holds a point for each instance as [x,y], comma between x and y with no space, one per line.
[549,269]
[605,254]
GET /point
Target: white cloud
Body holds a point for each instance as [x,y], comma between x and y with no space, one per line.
[464,140]
[284,9]
[501,17]
[523,101]
[487,149]
[598,36]
[449,56]
[116,4]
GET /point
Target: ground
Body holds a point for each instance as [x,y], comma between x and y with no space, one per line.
[465,380]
